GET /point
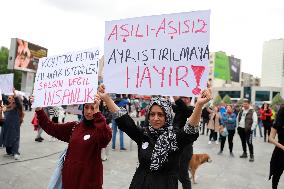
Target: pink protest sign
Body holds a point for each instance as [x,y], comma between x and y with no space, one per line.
[165,54]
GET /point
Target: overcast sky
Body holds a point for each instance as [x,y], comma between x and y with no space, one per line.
[238,27]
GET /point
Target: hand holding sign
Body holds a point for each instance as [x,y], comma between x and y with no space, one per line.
[205,96]
[97,102]
[102,92]
[107,99]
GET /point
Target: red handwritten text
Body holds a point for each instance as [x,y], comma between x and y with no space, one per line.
[168,27]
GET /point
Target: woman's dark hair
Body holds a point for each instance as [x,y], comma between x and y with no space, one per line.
[280,116]
[19,108]
[262,107]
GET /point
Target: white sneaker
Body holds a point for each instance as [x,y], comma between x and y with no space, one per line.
[104,158]
[216,142]
[103,154]
[209,142]
[16,156]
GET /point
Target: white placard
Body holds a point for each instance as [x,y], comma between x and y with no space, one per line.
[158,55]
[67,79]
[7,83]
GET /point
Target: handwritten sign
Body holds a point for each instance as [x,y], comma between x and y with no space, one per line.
[67,79]
[7,83]
[158,55]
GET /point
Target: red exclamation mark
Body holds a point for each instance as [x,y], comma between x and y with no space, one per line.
[197,71]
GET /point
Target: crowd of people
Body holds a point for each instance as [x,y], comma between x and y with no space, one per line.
[165,139]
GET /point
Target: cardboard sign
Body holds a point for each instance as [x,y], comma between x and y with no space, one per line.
[7,83]
[158,55]
[67,79]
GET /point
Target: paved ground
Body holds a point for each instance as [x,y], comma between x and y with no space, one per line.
[37,163]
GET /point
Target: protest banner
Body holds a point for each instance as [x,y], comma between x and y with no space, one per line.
[7,83]
[158,55]
[67,79]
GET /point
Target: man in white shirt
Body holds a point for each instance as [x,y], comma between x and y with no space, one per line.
[246,122]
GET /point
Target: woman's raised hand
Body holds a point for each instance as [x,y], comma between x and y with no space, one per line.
[97,102]
[205,97]
[102,92]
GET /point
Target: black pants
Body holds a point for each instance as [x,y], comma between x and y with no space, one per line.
[276,177]
[14,149]
[213,135]
[267,128]
[9,150]
[230,140]
[185,157]
[204,122]
[246,138]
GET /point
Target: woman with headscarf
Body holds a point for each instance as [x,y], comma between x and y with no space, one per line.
[82,167]
[14,116]
[159,146]
[277,159]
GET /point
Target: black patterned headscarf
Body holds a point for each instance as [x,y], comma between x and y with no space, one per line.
[166,141]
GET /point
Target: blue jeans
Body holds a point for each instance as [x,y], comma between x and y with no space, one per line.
[114,131]
[259,125]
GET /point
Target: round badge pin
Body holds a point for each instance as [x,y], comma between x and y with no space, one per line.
[145,145]
[86,137]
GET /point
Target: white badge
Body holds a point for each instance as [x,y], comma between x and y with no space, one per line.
[86,137]
[145,145]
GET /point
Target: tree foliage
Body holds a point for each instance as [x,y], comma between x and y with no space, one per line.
[217,100]
[276,101]
[240,102]
[227,99]
[4,54]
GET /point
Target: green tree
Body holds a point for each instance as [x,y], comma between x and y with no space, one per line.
[227,99]
[276,101]
[217,100]
[240,102]
[4,54]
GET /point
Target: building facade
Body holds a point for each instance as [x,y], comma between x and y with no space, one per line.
[272,74]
